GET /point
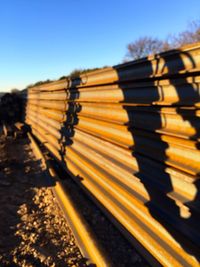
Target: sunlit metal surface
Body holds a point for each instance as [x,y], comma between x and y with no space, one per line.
[132,134]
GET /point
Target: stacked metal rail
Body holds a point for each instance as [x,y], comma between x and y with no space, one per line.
[130,135]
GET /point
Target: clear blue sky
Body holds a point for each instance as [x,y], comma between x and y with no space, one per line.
[43,39]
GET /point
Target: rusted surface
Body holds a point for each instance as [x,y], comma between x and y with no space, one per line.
[83,234]
[130,135]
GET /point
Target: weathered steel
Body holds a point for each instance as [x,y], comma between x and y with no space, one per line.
[85,238]
[132,133]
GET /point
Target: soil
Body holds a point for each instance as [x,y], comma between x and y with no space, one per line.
[33,231]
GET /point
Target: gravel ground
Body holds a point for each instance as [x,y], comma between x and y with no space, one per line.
[33,231]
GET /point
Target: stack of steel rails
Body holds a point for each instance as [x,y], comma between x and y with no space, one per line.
[130,135]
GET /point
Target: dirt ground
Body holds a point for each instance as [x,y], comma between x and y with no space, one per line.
[33,231]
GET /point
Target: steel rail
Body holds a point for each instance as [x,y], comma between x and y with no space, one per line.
[173,124]
[134,223]
[61,95]
[85,238]
[179,124]
[49,113]
[165,95]
[180,61]
[136,226]
[52,104]
[131,132]
[130,165]
[181,154]
[175,155]
[130,181]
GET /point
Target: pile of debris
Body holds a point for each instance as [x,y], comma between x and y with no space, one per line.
[10,108]
[10,112]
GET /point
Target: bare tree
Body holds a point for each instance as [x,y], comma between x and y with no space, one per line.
[143,47]
[149,45]
[191,35]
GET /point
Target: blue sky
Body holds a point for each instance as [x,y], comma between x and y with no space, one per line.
[43,39]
